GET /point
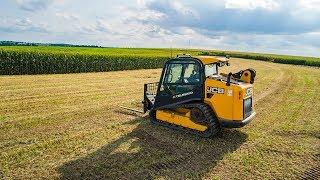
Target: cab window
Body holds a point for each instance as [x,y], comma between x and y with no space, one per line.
[184,73]
[173,73]
[192,74]
[211,69]
[181,77]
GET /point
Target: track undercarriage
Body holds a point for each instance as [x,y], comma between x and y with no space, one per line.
[196,118]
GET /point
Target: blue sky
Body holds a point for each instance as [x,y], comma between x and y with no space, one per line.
[285,27]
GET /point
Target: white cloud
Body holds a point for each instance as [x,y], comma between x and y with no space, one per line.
[309,4]
[285,26]
[307,11]
[148,15]
[142,14]
[184,10]
[23,25]
[173,8]
[23,22]
[33,5]
[67,16]
[251,4]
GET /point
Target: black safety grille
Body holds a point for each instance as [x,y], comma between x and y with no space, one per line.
[151,88]
[150,92]
[247,107]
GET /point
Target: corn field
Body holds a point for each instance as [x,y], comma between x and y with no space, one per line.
[283,59]
[18,60]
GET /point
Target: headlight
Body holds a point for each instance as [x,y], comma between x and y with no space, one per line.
[249,92]
[247,107]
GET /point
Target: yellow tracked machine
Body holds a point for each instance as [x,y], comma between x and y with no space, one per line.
[191,95]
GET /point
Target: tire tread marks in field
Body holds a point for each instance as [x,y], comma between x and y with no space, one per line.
[180,156]
[276,84]
[175,155]
[313,172]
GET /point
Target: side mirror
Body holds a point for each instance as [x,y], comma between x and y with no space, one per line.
[229,79]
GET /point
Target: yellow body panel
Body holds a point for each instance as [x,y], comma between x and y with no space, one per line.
[210,59]
[226,101]
[180,117]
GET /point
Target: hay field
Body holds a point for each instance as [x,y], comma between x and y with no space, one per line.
[70,126]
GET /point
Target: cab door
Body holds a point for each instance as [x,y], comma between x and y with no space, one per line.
[181,82]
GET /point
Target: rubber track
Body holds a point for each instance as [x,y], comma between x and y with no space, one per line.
[214,128]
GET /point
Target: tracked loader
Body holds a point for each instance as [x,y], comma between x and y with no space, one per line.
[192,96]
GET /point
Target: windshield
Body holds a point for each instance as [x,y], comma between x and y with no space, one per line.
[187,73]
[211,69]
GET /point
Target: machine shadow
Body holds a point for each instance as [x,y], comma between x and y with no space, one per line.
[151,152]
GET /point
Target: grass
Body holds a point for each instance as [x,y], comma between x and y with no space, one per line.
[70,126]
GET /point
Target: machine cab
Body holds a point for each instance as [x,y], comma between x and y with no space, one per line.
[181,81]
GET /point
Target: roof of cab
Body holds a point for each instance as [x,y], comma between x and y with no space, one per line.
[211,59]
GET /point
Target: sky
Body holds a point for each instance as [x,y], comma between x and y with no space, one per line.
[270,26]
